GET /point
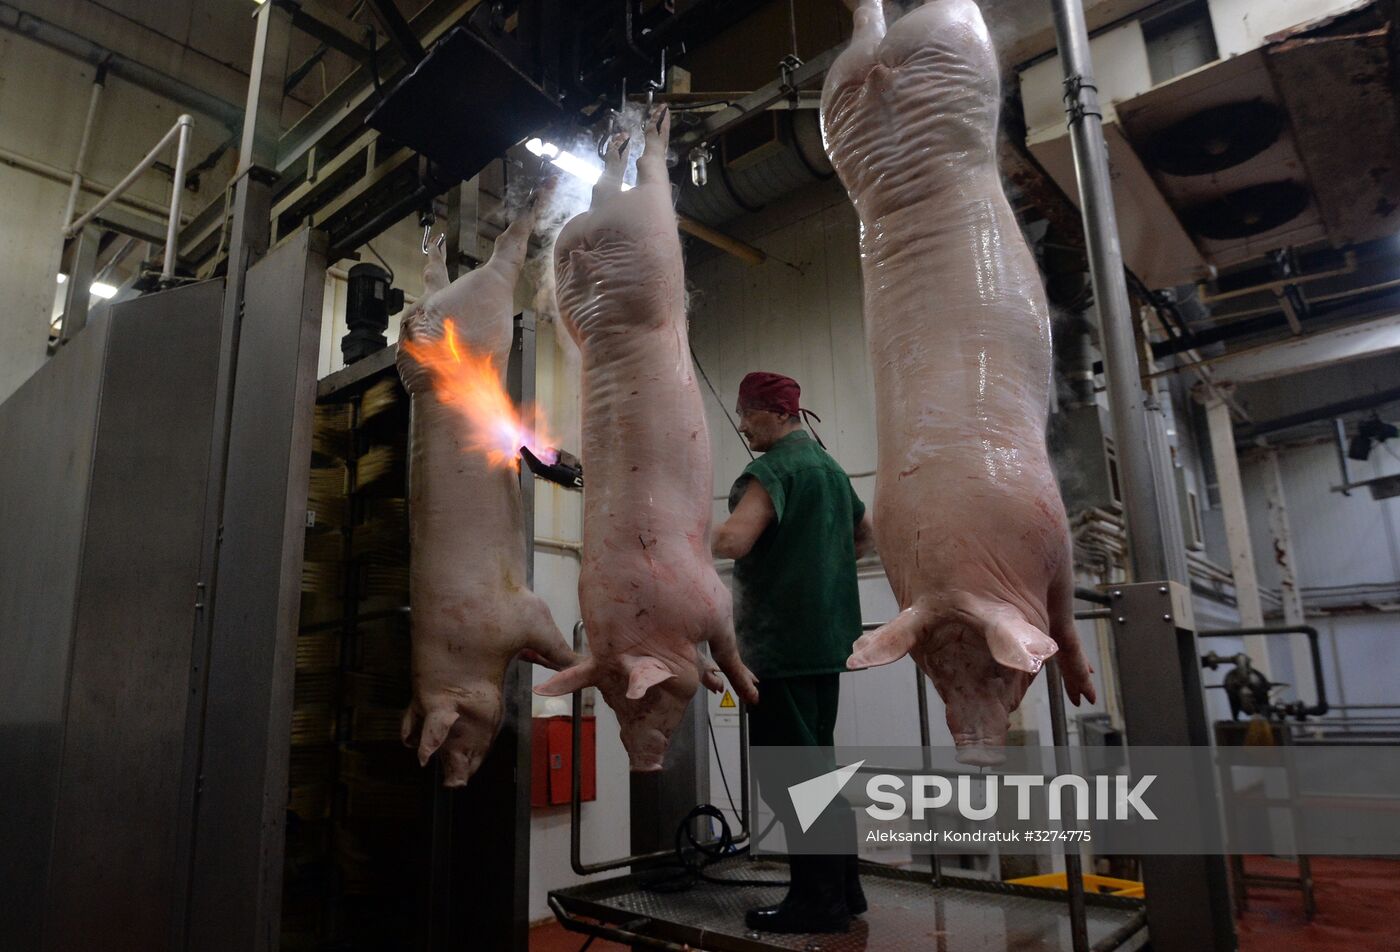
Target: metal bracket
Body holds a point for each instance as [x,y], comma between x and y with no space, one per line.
[787,66]
[1075,86]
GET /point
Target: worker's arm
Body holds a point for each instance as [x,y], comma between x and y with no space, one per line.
[865,536]
[736,537]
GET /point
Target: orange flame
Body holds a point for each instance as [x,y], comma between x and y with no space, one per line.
[471,383]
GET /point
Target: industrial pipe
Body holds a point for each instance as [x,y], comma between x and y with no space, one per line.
[138,74]
[132,203]
[76,185]
[1314,648]
[1147,537]
[1246,434]
[742,250]
[1074,863]
[177,191]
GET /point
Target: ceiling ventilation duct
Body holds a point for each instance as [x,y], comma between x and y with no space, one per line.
[1215,139]
[757,163]
[1248,211]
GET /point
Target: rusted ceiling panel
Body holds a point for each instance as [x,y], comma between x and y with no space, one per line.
[1346,124]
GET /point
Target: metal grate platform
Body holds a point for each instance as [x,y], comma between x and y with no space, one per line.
[906,913]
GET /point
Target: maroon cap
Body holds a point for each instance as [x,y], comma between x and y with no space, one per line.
[761,390]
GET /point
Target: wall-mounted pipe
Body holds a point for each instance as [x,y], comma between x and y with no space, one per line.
[132,203]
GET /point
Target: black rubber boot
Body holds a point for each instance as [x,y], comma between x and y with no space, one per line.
[815,903]
[769,910]
[855,896]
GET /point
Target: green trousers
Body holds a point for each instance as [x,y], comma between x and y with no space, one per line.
[795,712]
[801,712]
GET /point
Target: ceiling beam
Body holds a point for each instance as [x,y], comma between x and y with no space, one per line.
[1371,338]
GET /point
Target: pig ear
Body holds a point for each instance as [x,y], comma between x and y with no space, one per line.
[580,676]
[889,642]
[644,673]
[1016,643]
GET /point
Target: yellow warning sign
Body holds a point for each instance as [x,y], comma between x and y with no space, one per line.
[727,700]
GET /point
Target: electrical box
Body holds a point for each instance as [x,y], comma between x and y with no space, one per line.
[1082,451]
[551,756]
[1190,505]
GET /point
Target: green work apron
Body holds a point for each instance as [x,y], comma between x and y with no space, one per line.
[796,605]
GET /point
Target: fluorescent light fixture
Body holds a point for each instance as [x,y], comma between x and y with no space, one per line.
[62,277]
[566,161]
[101,290]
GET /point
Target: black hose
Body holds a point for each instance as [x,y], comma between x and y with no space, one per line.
[688,868]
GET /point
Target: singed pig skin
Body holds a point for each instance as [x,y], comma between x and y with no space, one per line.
[472,611]
[968,517]
[648,590]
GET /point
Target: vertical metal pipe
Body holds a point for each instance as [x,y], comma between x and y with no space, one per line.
[1341,434]
[98,82]
[744,770]
[576,745]
[1074,865]
[921,690]
[1141,499]
[177,191]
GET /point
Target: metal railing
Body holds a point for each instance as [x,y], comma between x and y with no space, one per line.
[576,802]
[180,135]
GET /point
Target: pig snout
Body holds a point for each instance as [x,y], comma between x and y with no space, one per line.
[459,730]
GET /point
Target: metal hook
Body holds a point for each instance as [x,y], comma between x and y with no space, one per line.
[653,85]
[427,233]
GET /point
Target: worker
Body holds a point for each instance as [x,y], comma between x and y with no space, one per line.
[795,530]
